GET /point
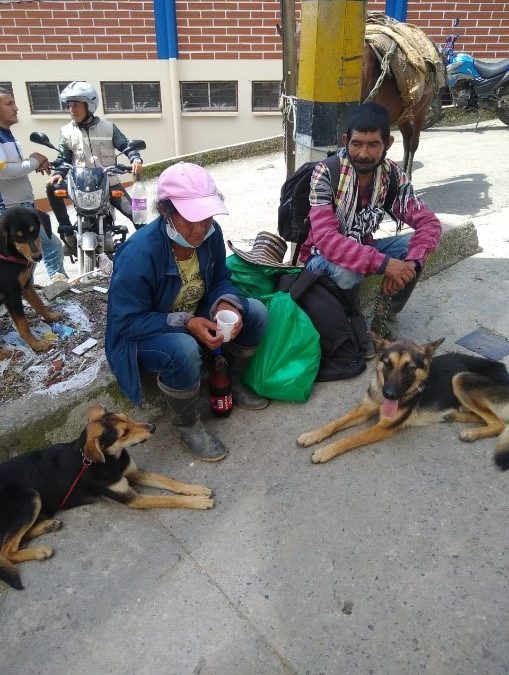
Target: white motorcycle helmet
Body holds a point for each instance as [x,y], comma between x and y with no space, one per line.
[81,91]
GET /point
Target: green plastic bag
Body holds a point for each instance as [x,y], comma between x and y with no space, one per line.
[286,362]
[255,281]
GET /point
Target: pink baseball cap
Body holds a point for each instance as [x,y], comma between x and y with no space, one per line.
[192,191]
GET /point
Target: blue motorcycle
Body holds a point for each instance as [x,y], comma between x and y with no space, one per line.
[474,84]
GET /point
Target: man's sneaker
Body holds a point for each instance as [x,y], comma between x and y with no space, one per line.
[369,350]
[58,276]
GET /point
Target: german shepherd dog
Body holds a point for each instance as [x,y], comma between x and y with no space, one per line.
[39,482]
[20,250]
[412,388]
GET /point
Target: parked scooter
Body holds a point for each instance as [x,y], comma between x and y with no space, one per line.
[95,231]
[475,84]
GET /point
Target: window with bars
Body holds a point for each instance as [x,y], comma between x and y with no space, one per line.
[208,96]
[43,97]
[129,97]
[8,86]
[265,96]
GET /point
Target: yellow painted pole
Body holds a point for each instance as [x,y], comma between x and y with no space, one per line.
[330,71]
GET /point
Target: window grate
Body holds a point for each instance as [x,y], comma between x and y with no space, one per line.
[265,96]
[208,96]
[44,97]
[139,97]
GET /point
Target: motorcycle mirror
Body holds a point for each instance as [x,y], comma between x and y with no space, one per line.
[41,139]
[135,145]
[456,22]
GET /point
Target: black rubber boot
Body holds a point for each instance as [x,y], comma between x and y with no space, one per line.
[188,426]
[238,360]
[398,301]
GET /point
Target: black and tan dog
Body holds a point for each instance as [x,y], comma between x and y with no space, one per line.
[20,250]
[412,388]
[38,483]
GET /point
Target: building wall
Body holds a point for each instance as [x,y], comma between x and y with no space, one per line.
[76,30]
[218,40]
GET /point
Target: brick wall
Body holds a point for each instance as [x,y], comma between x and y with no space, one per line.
[224,29]
[484,26]
[73,29]
[211,29]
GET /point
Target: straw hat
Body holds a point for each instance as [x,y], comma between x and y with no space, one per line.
[268,249]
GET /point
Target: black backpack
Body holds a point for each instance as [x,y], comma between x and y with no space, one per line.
[341,326]
[293,210]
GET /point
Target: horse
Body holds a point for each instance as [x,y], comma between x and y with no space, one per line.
[389,96]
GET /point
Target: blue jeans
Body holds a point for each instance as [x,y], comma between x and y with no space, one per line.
[395,247]
[52,249]
[178,358]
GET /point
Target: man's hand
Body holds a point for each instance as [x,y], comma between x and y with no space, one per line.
[398,274]
[238,326]
[136,167]
[202,329]
[55,178]
[43,162]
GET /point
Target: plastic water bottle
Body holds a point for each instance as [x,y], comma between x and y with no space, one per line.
[220,386]
[139,202]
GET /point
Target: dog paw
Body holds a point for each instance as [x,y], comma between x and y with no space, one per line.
[43,552]
[39,345]
[321,456]
[53,316]
[53,525]
[199,490]
[306,439]
[467,435]
[202,503]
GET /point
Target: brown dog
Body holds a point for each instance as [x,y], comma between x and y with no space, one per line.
[20,250]
[411,388]
[41,482]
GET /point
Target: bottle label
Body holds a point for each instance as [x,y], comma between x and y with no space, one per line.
[139,204]
[221,404]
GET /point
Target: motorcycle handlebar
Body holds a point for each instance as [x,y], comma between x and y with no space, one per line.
[119,168]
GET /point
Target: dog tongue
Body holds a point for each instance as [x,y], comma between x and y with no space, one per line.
[389,407]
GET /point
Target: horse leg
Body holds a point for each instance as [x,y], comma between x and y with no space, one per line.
[407,131]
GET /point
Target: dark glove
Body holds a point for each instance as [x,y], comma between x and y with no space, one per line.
[66,230]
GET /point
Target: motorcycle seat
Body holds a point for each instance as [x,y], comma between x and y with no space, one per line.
[489,69]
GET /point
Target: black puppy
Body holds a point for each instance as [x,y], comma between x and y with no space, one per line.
[54,478]
[20,250]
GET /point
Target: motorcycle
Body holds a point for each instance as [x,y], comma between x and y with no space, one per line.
[475,84]
[95,231]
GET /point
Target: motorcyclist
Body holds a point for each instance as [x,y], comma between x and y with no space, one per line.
[88,141]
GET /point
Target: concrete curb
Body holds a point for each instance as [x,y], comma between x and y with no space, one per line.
[42,419]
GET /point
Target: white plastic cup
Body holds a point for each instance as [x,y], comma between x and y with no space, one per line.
[226,320]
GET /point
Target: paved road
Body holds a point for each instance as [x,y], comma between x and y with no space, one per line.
[389,560]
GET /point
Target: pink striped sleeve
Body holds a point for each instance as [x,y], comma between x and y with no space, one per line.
[428,229]
[337,248]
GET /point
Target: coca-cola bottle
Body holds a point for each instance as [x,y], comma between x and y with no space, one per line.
[220,386]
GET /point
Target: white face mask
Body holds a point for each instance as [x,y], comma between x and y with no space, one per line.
[179,239]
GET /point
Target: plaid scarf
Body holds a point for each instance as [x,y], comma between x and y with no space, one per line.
[358,224]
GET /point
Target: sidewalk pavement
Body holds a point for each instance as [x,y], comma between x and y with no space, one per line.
[389,560]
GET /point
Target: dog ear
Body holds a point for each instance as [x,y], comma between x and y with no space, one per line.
[378,342]
[92,450]
[44,221]
[431,347]
[96,412]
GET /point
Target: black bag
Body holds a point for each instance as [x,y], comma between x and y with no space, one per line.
[292,215]
[341,326]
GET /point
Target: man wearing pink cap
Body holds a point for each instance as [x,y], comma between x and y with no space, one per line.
[169,281]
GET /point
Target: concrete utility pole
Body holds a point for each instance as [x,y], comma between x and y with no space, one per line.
[330,71]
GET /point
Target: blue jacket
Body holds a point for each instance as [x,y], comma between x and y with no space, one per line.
[143,287]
